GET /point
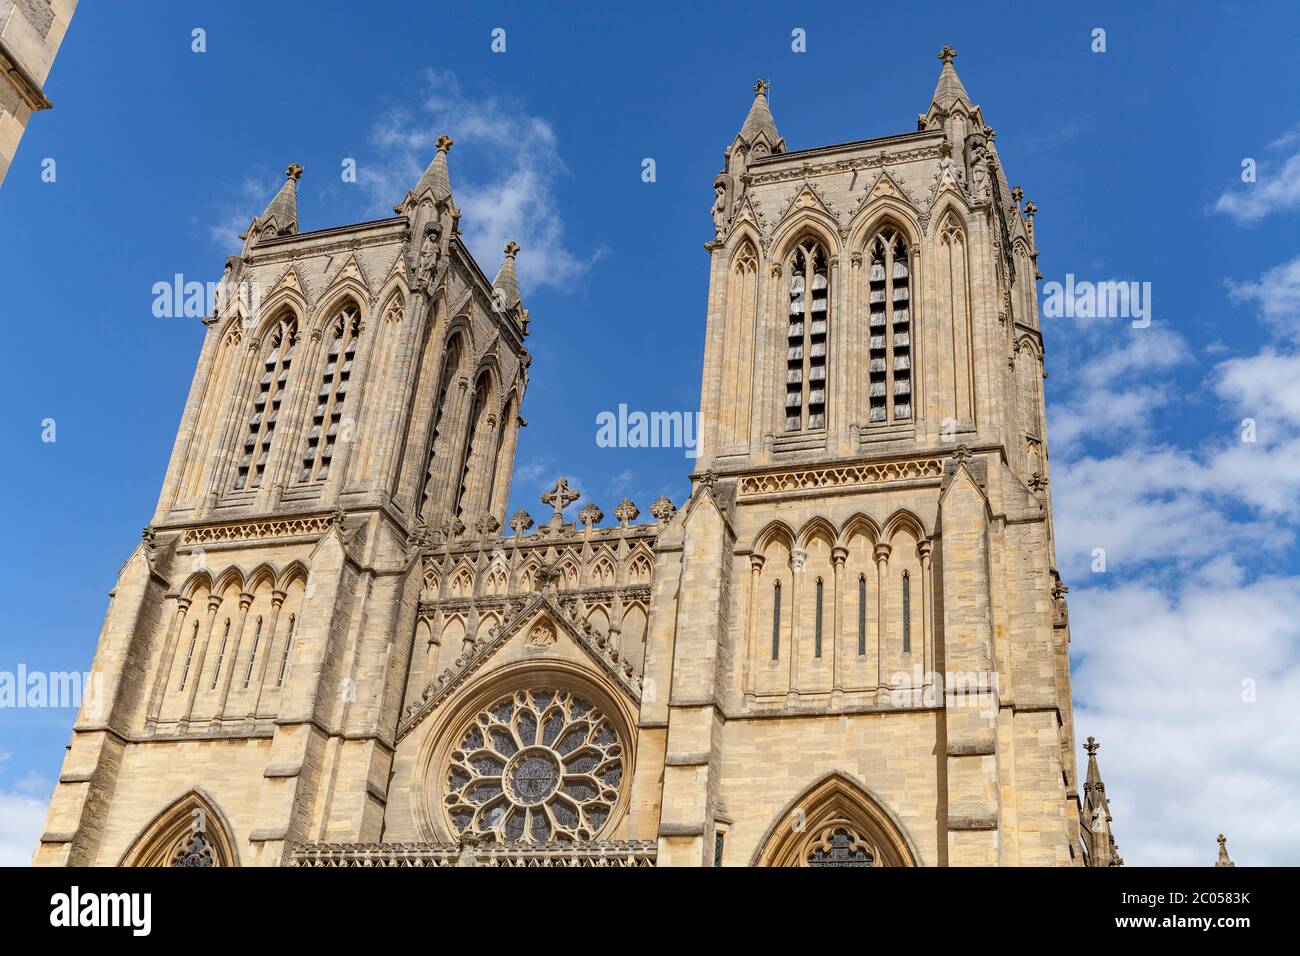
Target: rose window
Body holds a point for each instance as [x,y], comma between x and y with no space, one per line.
[537,765]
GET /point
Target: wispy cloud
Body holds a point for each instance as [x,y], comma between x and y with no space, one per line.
[1276,187]
[505,167]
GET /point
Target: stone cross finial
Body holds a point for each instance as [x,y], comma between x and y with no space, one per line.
[1030,209]
[293,172]
[1017,194]
[560,497]
[590,515]
[512,248]
[947,53]
[444,143]
[1091,746]
[663,509]
[626,512]
[762,86]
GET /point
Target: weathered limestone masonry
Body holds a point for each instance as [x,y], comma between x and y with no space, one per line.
[849,646]
[31,32]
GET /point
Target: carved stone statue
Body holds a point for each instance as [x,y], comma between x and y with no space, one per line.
[721,204]
[428,261]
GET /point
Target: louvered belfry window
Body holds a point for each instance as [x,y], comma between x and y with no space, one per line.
[327,418]
[805,377]
[889,297]
[266,405]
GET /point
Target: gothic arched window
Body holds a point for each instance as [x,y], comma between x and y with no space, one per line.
[817,629]
[189,655]
[266,405]
[805,376]
[907,613]
[327,419]
[252,656]
[221,655]
[862,614]
[889,295]
[433,482]
[472,448]
[776,621]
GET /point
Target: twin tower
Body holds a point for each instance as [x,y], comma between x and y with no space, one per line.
[848,646]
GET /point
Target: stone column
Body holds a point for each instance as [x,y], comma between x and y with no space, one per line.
[196,666]
[882,565]
[164,675]
[798,557]
[755,576]
[277,602]
[838,556]
[245,602]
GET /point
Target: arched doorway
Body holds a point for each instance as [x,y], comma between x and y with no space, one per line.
[189,833]
[835,823]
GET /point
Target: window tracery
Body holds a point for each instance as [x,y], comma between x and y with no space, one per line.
[809,309]
[840,846]
[537,765]
[889,360]
[266,404]
[327,419]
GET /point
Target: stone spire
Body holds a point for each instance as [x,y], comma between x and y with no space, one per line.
[507,283]
[759,123]
[1102,850]
[949,90]
[1223,853]
[436,177]
[281,216]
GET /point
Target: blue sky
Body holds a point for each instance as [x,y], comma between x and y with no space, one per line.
[1133,157]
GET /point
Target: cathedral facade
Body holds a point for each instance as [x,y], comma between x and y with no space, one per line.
[848,646]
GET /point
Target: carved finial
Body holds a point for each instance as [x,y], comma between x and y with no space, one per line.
[1017,194]
[590,515]
[512,249]
[761,87]
[945,149]
[293,172]
[444,143]
[707,479]
[1091,747]
[947,54]
[521,521]
[626,512]
[337,517]
[663,509]
[1224,859]
[1030,209]
[963,452]
[487,525]
[560,497]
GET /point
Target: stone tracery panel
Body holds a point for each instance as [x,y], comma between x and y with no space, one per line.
[537,765]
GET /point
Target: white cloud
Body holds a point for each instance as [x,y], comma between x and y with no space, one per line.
[504,170]
[21,818]
[1190,605]
[1277,188]
[1277,296]
[1185,752]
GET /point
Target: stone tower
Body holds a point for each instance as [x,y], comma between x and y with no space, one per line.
[873,492]
[847,647]
[356,397]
